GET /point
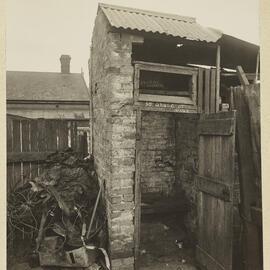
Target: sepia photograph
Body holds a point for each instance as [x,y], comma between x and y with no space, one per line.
[133,135]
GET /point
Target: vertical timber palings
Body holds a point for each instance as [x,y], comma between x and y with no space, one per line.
[213,93]
[200,90]
[257,67]
[10,165]
[206,91]
[25,148]
[137,188]
[42,141]
[51,127]
[247,186]
[63,134]
[34,146]
[17,149]
[217,78]
[91,109]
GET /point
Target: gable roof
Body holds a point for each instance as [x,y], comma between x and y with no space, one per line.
[160,23]
[45,86]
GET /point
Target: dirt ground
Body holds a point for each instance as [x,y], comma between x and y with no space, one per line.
[165,244]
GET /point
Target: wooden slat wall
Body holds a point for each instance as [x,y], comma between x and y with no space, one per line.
[207,99]
[29,141]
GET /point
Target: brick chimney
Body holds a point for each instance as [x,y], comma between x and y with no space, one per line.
[65,63]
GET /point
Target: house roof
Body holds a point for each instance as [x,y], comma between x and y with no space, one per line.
[160,23]
[45,86]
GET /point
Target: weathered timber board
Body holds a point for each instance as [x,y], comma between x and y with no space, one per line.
[215,196]
[213,127]
[214,187]
[166,107]
[25,148]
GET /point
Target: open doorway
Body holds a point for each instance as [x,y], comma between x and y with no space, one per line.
[169,150]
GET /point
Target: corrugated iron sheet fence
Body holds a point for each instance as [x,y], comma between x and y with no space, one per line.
[29,141]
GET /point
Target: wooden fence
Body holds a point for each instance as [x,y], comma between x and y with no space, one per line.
[208,93]
[29,141]
[246,100]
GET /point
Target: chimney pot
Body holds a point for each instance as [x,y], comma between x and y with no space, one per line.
[65,63]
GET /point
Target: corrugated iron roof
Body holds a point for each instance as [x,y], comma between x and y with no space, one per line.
[160,23]
[46,86]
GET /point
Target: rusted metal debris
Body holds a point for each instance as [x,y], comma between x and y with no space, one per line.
[57,207]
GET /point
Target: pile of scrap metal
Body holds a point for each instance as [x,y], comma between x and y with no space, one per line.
[62,207]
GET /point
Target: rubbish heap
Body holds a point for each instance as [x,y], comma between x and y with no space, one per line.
[63,209]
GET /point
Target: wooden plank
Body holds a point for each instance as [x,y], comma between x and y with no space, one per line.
[247,172]
[42,140]
[256,215]
[214,187]
[166,68]
[166,99]
[252,97]
[83,146]
[217,78]
[10,172]
[165,107]
[27,156]
[73,134]
[17,148]
[193,89]
[213,91]
[26,148]
[228,176]
[206,91]
[9,134]
[62,135]
[137,194]
[247,176]
[10,177]
[223,127]
[257,67]
[200,90]
[165,92]
[34,146]
[51,131]
[241,75]
[219,115]
[207,260]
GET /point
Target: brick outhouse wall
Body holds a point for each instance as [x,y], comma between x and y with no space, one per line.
[187,162]
[114,131]
[157,153]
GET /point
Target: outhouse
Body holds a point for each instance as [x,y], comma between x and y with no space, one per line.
[155,82]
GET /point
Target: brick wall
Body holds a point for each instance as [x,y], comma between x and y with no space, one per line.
[187,162]
[114,131]
[158,153]
[114,137]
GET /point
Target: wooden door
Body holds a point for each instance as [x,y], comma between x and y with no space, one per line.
[215,190]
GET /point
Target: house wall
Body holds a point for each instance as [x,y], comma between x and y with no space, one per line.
[157,154]
[114,130]
[49,111]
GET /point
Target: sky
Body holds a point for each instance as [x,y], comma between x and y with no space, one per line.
[39,31]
